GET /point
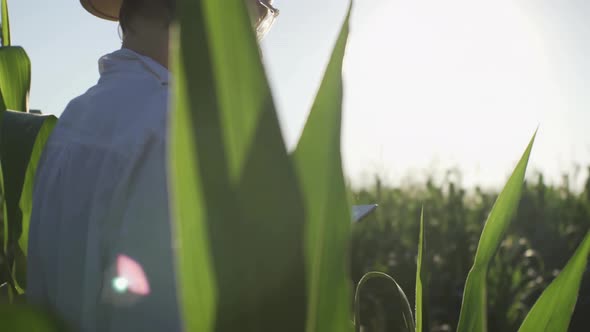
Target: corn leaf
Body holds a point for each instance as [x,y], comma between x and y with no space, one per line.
[4,214]
[4,227]
[554,308]
[18,136]
[238,215]
[402,300]
[419,276]
[5,24]
[18,271]
[26,197]
[319,167]
[24,318]
[15,78]
[17,139]
[241,86]
[4,290]
[196,284]
[473,316]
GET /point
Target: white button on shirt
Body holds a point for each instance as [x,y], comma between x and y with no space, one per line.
[100,200]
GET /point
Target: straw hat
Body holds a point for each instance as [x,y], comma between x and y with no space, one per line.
[107,9]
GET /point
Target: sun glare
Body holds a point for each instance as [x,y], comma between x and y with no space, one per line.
[432,85]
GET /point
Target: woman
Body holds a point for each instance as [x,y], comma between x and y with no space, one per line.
[100,253]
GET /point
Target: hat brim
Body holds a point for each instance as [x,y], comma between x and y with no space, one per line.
[105,9]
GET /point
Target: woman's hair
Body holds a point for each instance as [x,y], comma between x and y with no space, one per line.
[154,9]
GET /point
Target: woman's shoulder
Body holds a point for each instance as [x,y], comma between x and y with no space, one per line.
[115,117]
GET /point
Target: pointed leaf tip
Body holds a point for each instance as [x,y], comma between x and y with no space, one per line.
[5,24]
[473,315]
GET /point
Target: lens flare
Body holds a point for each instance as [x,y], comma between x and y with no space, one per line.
[120,284]
[130,277]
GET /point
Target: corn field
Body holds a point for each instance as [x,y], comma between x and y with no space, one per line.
[550,222]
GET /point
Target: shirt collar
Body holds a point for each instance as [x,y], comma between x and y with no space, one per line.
[126,60]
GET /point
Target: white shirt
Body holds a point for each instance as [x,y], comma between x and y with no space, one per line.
[100,198]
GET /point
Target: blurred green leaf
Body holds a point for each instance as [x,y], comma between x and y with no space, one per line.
[237,210]
[5,271]
[26,197]
[196,290]
[15,78]
[554,308]
[24,318]
[5,24]
[241,88]
[473,316]
[4,290]
[18,135]
[19,271]
[4,212]
[419,276]
[319,166]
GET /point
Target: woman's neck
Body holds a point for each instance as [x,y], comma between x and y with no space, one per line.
[149,39]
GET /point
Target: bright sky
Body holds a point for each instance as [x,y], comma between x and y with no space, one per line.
[429,84]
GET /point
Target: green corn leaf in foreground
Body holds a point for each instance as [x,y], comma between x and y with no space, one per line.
[5,24]
[20,137]
[26,197]
[554,308]
[237,212]
[196,290]
[319,166]
[265,224]
[18,134]
[473,315]
[24,318]
[15,78]
[420,277]
[242,91]
[4,213]
[2,191]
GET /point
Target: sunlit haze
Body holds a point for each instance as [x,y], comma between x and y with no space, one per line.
[429,85]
